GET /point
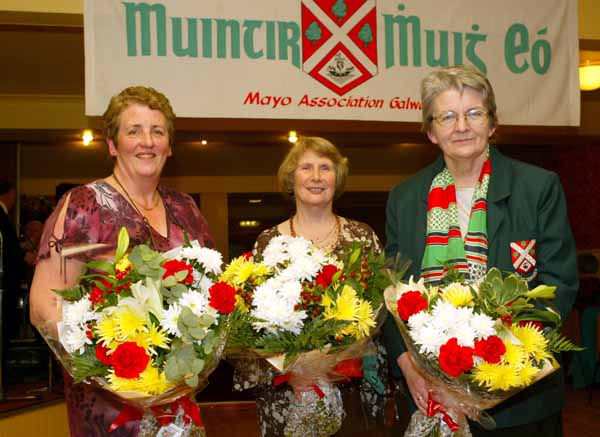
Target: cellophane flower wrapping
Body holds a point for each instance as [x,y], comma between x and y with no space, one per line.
[311,317]
[149,328]
[476,344]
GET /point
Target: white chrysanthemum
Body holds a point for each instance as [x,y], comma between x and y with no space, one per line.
[77,313]
[444,315]
[305,268]
[195,301]
[298,248]
[274,255]
[290,291]
[274,307]
[419,320]
[203,284]
[429,339]
[482,325]
[170,319]
[72,337]
[464,333]
[210,259]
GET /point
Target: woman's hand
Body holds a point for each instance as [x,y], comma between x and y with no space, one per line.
[417,386]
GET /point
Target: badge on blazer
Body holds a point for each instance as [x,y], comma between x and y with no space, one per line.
[523,256]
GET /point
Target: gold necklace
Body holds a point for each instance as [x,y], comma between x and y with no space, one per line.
[319,243]
[133,202]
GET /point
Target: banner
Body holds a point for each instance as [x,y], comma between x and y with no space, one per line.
[332,59]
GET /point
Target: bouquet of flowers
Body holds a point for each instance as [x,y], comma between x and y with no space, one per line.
[148,327]
[311,317]
[476,344]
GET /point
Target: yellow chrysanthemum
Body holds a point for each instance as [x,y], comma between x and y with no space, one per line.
[154,337]
[515,354]
[326,300]
[495,376]
[345,306]
[123,264]
[154,382]
[458,295]
[128,323]
[527,375]
[533,341]
[106,330]
[241,270]
[150,382]
[365,319]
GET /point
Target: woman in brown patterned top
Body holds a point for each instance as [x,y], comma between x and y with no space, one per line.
[313,174]
[139,132]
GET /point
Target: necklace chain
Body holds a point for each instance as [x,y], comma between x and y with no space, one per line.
[133,202]
[335,230]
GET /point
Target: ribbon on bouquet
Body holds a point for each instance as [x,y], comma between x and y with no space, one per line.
[344,370]
[434,407]
[164,413]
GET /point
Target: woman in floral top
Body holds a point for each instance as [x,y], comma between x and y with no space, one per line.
[85,225]
[313,174]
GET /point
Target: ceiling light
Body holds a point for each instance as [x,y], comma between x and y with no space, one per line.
[204,142]
[249,223]
[589,76]
[254,200]
[87,137]
[293,136]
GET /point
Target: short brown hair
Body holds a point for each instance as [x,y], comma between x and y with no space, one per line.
[136,94]
[457,77]
[321,146]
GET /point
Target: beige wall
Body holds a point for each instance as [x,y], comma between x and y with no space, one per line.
[589,12]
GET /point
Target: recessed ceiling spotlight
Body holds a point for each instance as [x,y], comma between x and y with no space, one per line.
[87,137]
[293,136]
[204,142]
[254,200]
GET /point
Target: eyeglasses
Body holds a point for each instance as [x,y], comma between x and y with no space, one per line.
[475,117]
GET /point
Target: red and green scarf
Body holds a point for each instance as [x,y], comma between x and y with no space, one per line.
[444,243]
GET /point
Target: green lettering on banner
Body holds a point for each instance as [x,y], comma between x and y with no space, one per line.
[516,43]
[289,38]
[442,59]
[144,9]
[390,22]
[249,27]
[192,31]
[234,32]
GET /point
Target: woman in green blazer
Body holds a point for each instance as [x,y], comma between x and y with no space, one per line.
[475,209]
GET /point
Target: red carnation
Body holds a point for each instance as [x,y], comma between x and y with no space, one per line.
[324,278]
[247,256]
[173,266]
[129,360]
[455,359]
[102,355]
[491,349]
[411,303]
[222,297]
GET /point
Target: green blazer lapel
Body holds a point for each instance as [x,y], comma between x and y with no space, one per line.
[498,191]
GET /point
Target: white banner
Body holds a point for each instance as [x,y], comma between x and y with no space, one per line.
[332,59]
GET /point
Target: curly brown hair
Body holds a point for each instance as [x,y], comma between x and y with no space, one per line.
[142,95]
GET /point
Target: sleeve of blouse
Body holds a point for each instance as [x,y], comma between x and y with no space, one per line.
[81,224]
